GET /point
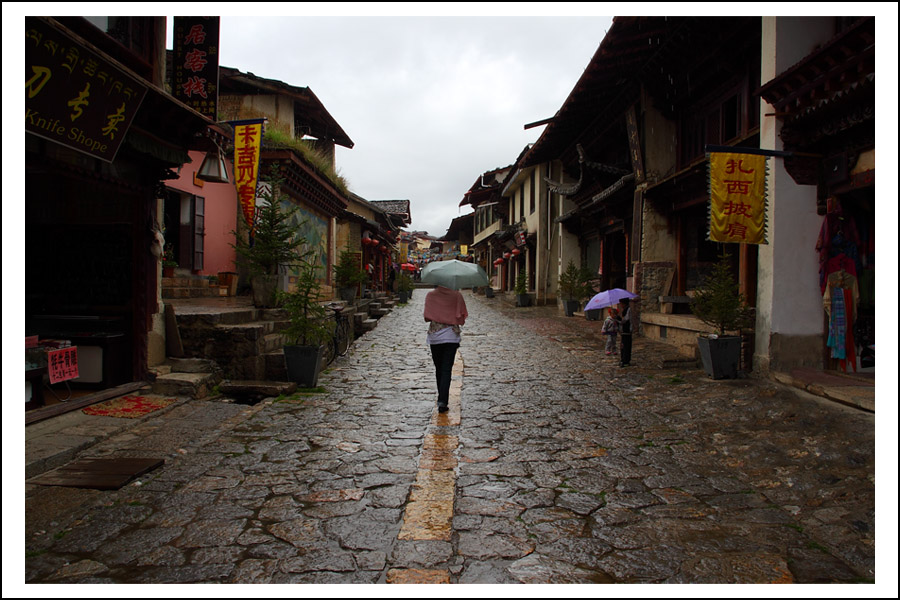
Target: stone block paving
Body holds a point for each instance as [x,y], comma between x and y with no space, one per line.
[553,465]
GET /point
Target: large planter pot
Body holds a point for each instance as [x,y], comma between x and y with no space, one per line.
[347,293]
[264,290]
[593,314]
[488,292]
[168,271]
[404,296]
[571,307]
[721,356]
[303,364]
[523,300]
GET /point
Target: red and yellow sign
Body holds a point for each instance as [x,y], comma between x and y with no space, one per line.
[247,143]
[737,198]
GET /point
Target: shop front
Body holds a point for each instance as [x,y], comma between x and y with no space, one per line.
[827,126]
[91,245]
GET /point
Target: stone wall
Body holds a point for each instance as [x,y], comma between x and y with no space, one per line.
[649,280]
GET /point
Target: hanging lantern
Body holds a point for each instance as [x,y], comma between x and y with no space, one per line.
[506,255]
[516,252]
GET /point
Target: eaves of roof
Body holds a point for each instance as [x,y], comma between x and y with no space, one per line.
[660,53]
[306,104]
[841,64]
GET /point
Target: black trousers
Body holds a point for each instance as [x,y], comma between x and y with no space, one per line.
[626,349]
[443,356]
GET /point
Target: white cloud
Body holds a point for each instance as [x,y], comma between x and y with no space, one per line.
[430,102]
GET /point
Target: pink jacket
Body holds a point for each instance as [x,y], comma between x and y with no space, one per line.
[443,305]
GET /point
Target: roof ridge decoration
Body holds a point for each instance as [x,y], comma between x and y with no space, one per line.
[569,189]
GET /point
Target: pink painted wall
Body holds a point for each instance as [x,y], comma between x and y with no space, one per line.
[221,208]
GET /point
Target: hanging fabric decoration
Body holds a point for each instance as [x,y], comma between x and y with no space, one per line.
[247,144]
[737,198]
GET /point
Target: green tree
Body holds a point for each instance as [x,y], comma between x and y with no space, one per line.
[718,301]
[275,241]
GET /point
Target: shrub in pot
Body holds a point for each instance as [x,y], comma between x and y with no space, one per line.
[573,287]
[348,274]
[274,243]
[308,329]
[169,263]
[404,287]
[521,289]
[719,303]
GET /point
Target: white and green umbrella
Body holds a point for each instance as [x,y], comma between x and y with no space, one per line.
[455,274]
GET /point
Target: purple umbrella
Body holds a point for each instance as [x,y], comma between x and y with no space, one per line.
[608,298]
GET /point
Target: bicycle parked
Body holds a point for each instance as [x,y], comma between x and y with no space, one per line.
[341,336]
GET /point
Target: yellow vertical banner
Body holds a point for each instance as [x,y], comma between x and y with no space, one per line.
[247,143]
[404,252]
[737,198]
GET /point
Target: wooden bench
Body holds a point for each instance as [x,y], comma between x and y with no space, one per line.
[668,304]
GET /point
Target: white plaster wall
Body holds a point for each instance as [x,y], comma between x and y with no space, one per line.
[788,297]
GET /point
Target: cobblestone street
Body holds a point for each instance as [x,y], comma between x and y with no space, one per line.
[553,465]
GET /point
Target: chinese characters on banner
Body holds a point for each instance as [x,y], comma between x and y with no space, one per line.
[62,364]
[247,143]
[737,198]
[75,96]
[195,64]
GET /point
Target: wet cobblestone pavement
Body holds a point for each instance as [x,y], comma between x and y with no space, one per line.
[553,465]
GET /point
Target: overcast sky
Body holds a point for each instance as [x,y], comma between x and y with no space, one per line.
[429,102]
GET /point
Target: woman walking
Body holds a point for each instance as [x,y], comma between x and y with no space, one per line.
[445,310]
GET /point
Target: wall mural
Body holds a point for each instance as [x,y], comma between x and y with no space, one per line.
[314,229]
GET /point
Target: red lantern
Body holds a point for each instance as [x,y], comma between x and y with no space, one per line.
[506,255]
[516,252]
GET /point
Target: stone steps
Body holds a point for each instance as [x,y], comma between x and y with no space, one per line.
[187,377]
[246,344]
[190,286]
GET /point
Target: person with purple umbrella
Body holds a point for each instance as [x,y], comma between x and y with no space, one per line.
[611,330]
[626,330]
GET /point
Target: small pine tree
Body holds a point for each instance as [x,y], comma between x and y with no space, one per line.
[276,241]
[308,320]
[573,282]
[719,303]
[521,283]
[347,271]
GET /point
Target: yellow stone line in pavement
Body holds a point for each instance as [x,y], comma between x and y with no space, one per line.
[429,513]
[418,576]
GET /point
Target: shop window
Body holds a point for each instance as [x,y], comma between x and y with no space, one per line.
[721,121]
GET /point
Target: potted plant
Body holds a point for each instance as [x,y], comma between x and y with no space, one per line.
[169,263]
[348,274]
[719,303]
[273,244]
[521,289]
[404,287]
[573,287]
[308,327]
